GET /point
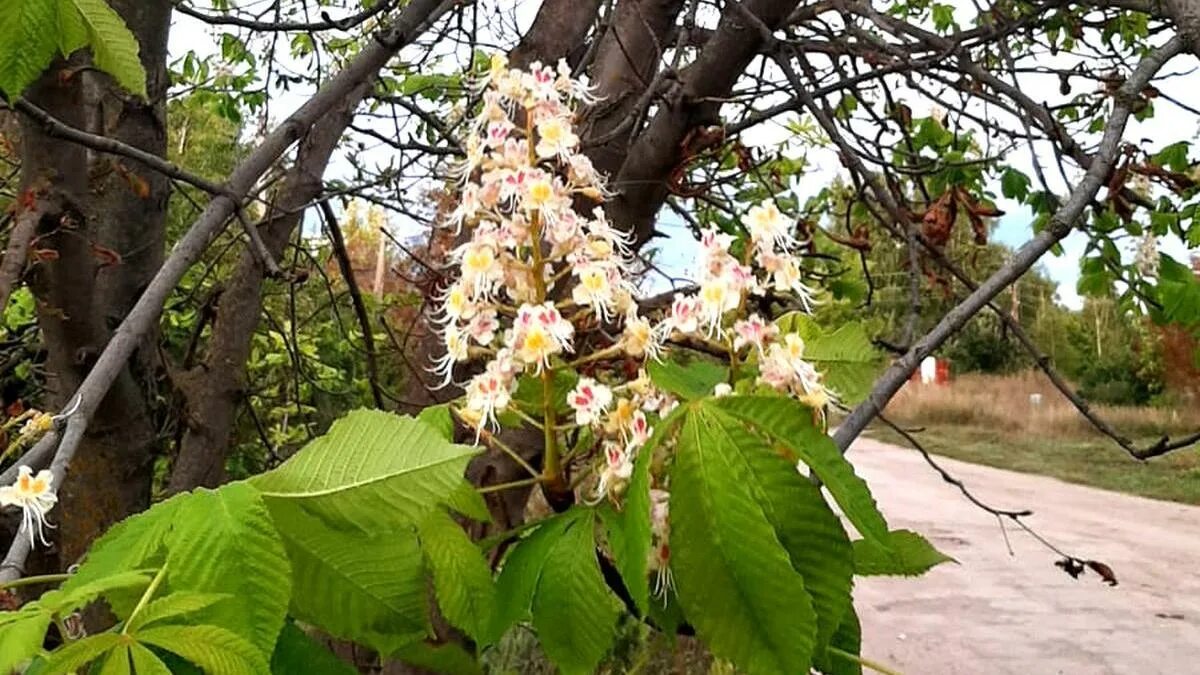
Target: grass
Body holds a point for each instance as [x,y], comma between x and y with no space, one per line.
[990,420]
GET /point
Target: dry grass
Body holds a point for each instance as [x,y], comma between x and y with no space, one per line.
[1003,403]
[990,420]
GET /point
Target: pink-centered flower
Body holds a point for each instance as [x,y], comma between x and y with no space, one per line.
[589,399]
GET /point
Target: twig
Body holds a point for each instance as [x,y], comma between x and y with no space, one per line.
[356,299]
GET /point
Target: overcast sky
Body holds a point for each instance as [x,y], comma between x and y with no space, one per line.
[1012,229]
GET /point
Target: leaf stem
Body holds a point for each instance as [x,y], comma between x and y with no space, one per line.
[35,580]
[865,663]
[154,584]
[524,482]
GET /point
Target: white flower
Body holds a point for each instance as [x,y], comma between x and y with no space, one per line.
[540,332]
[555,138]
[482,327]
[717,297]
[618,467]
[722,389]
[639,338]
[589,400]
[685,314]
[489,393]
[786,278]
[768,227]
[754,331]
[457,350]
[595,288]
[35,496]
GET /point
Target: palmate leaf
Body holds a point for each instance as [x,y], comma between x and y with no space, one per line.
[114,48]
[28,44]
[445,659]
[906,554]
[522,569]
[574,613]
[371,471]
[846,357]
[224,541]
[134,543]
[688,379]
[848,639]
[21,635]
[215,650]
[174,605]
[75,655]
[735,580]
[146,662]
[787,424]
[296,652]
[369,588]
[462,578]
[811,533]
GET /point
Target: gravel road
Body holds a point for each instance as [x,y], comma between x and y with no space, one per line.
[997,612]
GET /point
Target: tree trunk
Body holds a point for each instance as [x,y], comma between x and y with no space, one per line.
[105,232]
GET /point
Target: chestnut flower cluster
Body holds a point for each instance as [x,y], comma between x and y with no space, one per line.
[539,261]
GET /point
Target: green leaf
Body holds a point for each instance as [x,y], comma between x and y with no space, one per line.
[75,655]
[1014,184]
[66,601]
[1173,157]
[519,576]
[72,32]
[178,603]
[146,662]
[296,652]
[114,48]
[848,639]
[116,662]
[811,533]
[687,378]
[29,28]
[224,541]
[845,357]
[907,554]
[133,543]
[574,613]
[439,417]
[788,424]
[448,659]
[214,649]
[462,578]
[21,635]
[369,588]
[735,581]
[373,469]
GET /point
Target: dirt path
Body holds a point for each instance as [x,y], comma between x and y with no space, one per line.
[996,613]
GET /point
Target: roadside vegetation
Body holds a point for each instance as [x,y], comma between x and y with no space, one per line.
[991,419]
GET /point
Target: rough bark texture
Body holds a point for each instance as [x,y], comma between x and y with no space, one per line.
[1186,15]
[102,207]
[627,59]
[213,389]
[558,32]
[689,103]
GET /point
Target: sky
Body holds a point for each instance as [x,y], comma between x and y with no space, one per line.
[1012,229]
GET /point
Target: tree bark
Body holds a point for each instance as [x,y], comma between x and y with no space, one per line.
[106,228]
[689,103]
[213,389]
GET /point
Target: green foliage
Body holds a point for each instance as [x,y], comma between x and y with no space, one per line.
[845,356]
[735,580]
[687,377]
[35,30]
[371,470]
[574,613]
[461,577]
[906,554]
[224,542]
[762,563]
